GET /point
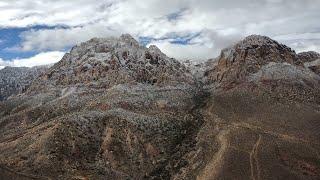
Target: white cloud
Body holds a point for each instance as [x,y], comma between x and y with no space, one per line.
[301,42]
[220,22]
[184,52]
[2,64]
[22,13]
[207,45]
[43,58]
[59,38]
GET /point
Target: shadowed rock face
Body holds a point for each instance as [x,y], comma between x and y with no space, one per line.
[254,114]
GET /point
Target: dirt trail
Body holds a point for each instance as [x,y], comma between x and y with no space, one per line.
[255,170]
[212,169]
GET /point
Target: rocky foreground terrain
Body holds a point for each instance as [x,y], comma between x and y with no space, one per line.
[113,109]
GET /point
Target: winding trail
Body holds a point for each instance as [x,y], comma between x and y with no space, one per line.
[212,169]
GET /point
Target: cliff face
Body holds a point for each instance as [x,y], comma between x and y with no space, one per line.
[111,109]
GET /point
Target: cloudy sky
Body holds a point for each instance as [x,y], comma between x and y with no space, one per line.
[35,32]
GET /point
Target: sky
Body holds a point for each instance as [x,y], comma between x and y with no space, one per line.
[37,32]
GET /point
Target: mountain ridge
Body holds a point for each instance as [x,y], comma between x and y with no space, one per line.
[114,109]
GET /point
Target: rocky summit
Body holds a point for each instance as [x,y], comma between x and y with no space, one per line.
[107,62]
[113,109]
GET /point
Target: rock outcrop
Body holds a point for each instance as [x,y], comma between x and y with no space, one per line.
[112,109]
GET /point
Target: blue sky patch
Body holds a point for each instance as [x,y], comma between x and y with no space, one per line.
[10,38]
[173,38]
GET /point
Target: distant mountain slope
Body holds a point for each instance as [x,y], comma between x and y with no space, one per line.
[15,80]
[311,60]
[308,56]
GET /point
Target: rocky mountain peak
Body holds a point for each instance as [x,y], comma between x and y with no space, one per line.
[154,48]
[109,61]
[263,49]
[248,56]
[255,40]
[129,39]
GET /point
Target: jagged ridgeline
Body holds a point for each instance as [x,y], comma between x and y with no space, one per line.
[107,62]
[113,109]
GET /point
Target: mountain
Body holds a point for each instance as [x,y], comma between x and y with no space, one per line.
[261,119]
[113,109]
[15,80]
[247,57]
[109,108]
[107,62]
